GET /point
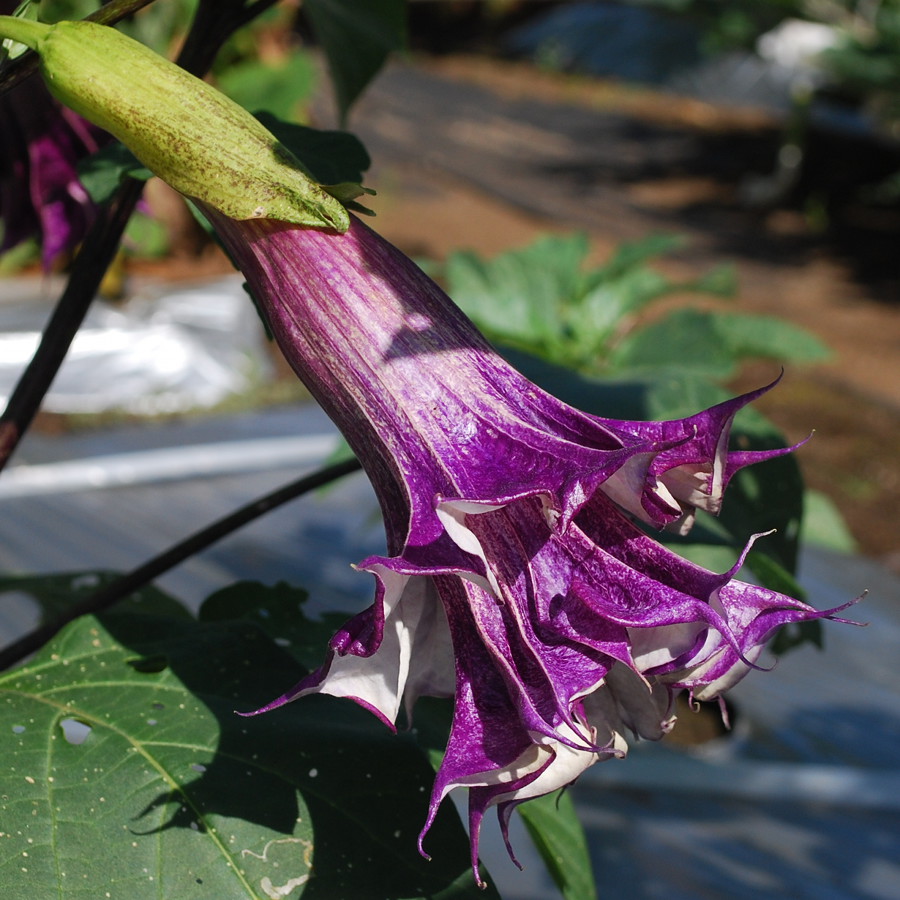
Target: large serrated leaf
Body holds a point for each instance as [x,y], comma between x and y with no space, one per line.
[605,306]
[540,299]
[685,340]
[712,343]
[631,254]
[127,775]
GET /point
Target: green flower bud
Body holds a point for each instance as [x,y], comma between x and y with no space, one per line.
[182,129]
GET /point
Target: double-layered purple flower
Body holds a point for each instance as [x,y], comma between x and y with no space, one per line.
[41,144]
[516,579]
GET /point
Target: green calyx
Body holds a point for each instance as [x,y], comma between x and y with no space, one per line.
[182,129]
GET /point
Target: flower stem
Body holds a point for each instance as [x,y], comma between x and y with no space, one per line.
[127,584]
[25,31]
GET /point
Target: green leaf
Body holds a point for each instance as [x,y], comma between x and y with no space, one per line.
[126,771]
[519,296]
[674,394]
[331,156]
[557,833]
[598,314]
[685,340]
[768,337]
[712,343]
[278,610]
[720,281]
[632,254]
[540,300]
[102,172]
[823,524]
[278,88]
[357,39]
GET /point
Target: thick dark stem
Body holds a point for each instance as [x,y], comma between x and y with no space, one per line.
[214,23]
[126,585]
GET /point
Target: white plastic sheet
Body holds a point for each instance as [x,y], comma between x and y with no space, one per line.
[163,350]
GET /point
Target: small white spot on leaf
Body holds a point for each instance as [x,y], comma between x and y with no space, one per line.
[278,892]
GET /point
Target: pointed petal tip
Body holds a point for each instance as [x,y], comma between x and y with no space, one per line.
[504,811]
[281,701]
[420,840]
[830,613]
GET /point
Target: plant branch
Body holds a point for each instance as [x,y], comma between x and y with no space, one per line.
[214,22]
[127,584]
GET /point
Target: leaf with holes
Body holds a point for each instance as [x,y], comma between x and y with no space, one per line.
[126,774]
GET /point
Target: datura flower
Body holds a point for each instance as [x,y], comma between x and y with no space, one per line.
[517,580]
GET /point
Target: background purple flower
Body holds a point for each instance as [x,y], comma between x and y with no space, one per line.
[41,144]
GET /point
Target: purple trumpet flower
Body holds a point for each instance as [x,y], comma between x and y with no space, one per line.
[41,143]
[516,579]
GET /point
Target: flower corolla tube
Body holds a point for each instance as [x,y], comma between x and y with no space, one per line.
[516,580]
